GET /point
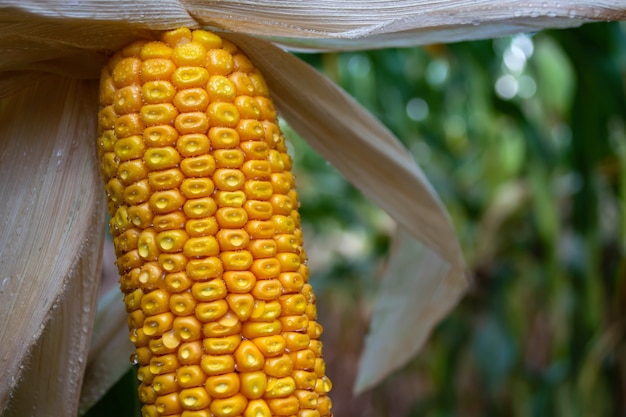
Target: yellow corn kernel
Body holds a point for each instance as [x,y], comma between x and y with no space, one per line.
[177,282]
[266,268]
[297,341]
[267,290]
[279,387]
[260,229]
[128,125]
[229,407]
[197,187]
[279,366]
[221,345]
[231,217]
[201,247]
[209,290]
[128,148]
[221,88]
[236,260]
[232,239]
[199,208]
[253,384]
[157,325]
[187,328]
[164,180]
[221,329]
[194,398]
[165,384]
[132,171]
[190,353]
[251,330]
[162,135]
[241,305]
[271,345]
[293,304]
[157,69]
[147,396]
[169,221]
[224,138]
[257,408]
[193,144]
[168,404]
[235,199]
[308,399]
[239,281]
[242,83]
[127,72]
[303,359]
[204,269]
[163,364]
[157,114]
[265,311]
[193,122]
[222,114]
[258,210]
[190,77]
[199,166]
[211,311]
[284,406]
[262,248]
[161,158]
[248,357]
[172,240]
[155,302]
[201,227]
[172,262]
[207,235]
[219,61]
[217,364]
[190,376]
[223,386]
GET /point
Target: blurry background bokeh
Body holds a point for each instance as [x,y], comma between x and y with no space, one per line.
[524,139]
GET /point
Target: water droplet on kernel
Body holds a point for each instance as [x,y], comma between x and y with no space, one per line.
[167,243]
[161,203]
[236,240]
[134,359]
[143,252]
[156,157]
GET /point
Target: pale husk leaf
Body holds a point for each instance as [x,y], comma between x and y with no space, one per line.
[406,308]
[52,228]
[69,37]
[357,24]
[109,350]
[372,159]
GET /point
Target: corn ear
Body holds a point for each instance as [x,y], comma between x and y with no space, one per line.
[207,234]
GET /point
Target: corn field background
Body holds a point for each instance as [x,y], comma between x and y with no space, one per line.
[524,139]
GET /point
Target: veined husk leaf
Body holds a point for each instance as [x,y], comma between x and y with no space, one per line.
[357,24]
[372,159]
[109,351]
[51,232]
[67,37]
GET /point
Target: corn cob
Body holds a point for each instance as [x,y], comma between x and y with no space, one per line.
[207,235]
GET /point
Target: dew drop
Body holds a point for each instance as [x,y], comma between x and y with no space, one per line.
[143,251]
[190,401]
[167,243]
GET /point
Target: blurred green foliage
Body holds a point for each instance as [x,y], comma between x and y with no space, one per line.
[524,139]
